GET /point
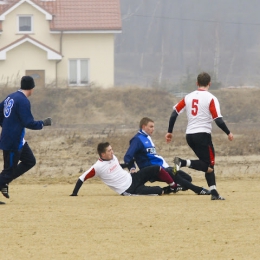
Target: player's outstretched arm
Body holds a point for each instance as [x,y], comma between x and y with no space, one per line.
[221,124]
[172,120]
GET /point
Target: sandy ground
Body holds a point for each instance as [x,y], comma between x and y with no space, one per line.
[41,221]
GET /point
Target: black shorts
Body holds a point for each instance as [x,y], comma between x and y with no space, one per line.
[202,146]
[141,177]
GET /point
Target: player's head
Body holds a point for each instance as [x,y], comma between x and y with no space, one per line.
[27,84]
[144,121]
[203,79]
[147,124]
[105,151]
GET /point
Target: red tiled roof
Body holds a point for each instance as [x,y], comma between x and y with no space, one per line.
[79,14]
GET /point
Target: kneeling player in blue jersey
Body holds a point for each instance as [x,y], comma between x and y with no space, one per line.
[142,150]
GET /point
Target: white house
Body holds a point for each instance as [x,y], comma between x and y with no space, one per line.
[59,42]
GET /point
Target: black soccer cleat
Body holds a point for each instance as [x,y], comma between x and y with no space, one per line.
[176,189]
[1,203]
[167,190]
[214,197]
[204,192]
[73,194]
[4,191]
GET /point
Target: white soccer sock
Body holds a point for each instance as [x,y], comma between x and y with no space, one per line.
[172,184]
[188,163]
[213,187]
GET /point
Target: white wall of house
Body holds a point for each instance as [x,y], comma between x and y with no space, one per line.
[41,30]
[25,57]
[98,48]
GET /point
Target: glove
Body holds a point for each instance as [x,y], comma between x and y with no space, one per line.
[47,121]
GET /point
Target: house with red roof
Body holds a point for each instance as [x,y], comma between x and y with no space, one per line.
[60,43]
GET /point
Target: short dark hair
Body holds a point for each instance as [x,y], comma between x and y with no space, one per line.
[101,148]
[145,121]
[203,79]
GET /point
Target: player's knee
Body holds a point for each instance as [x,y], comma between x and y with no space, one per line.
[210,170]
[32,162]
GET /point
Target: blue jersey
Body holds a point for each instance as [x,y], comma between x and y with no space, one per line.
[15,116]
[143,151]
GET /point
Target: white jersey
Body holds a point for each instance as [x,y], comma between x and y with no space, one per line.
[201,108]
[111,173]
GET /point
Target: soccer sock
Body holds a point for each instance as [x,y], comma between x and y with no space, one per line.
[198,165]
[188,163]
[211,180]
[184,163]
[187,185]
[165,176]
[77,187]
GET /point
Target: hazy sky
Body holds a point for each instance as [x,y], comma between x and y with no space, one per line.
[165,40]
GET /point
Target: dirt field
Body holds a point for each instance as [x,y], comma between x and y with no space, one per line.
[41,221]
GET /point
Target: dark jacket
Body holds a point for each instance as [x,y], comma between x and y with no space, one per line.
[15,116]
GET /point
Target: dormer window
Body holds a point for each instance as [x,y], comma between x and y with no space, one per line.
[25,24]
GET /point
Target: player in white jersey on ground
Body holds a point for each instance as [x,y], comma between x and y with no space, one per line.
[110,171]
[201,108]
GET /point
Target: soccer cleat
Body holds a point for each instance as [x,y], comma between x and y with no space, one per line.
[204,192]
[167,190]
[1,202]
[176,165]
[213,197]
[176,189]
[4,191]
[73,194]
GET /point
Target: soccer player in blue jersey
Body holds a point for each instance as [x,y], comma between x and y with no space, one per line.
[142,150]
[15,116]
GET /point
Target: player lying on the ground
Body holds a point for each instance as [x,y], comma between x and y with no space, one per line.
[109,170]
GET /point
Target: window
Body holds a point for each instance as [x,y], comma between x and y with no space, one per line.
[78,71]
[25,23]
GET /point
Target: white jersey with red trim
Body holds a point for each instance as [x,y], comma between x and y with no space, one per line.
[201,108]
[111,173]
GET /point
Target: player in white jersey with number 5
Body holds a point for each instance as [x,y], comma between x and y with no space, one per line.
[201,108]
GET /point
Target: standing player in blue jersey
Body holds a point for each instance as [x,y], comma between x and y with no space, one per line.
[142,150]
[15,116]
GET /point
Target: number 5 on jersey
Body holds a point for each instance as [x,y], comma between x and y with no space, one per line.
[194,110]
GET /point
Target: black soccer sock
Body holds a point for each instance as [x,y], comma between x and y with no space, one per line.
[186,184]
[77,187]
[198,165]
[183,163]
[210,178]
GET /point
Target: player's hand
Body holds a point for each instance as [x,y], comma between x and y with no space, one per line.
[132,171]
[47,121]
[168,137]
[230,137]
